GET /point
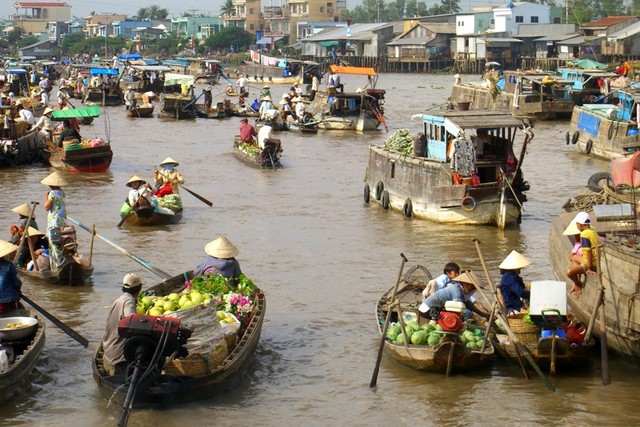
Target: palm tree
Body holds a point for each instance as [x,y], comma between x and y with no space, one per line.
[228,8]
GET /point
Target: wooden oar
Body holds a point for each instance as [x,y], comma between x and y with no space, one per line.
[124,218]
[65,328]
[374,378]
[155,270]
[197,196]
[25,233]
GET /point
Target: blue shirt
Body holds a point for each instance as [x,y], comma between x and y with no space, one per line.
[226,267]
[512,288]
[10,284]
[453,292]
[442,281]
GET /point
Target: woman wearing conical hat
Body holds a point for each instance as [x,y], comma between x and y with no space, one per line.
[167,178]
[10,283]
[511,284]
[56,212]
[140,193]
[16,230]
[220,259]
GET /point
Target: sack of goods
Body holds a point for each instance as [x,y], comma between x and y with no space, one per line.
[170,201]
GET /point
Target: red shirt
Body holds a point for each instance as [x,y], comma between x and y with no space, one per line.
[247,132]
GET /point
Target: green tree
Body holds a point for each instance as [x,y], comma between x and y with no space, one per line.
[15,35]
[445,7]
[152,12]
[230,36]
[634,8]
[369,11]
[28,40]
[228,8]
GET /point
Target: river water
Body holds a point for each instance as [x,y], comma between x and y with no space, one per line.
[323,258]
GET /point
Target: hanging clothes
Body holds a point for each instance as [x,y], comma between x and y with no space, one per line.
[463,158]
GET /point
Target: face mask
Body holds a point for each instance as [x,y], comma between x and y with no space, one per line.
[169,167]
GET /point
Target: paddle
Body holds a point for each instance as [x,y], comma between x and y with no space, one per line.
[65,328]
[374,378]
[197,196]
[145,264]
[124,218]
[25,233]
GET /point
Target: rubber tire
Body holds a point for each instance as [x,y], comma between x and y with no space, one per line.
[473,203]
[367,193]
[379,189]
[589,146]
[575,137]
[407,208]
[384,200]
[568,137]
[594,181]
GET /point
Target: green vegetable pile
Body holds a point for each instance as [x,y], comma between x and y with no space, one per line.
[400,141]
[527,319]
[216,284]
[472,339]
[416,334]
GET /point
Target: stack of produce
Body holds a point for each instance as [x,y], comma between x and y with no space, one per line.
[416,334]
[160,306]
[170,201]
[400,141]
[472,339]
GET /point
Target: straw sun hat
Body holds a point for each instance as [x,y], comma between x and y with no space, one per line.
[169,161]
[468,277]
[34,233]
[135,178]
[47,111]
[515,261]
[221,248]
[6,248]
[23,210]
[571,230]
[54,180]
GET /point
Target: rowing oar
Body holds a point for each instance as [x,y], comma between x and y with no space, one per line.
[155,270]
[374,378]
[197,196]
[66,328]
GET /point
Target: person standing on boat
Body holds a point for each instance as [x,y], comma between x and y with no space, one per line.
[241,83]
[220,259]
[23,212]
[299,108]
[247,131]
[130,98]
[25,113]
[56,214]
[10,283]
[511,284]
[113,360]
[266,91]
[44,124]
[167,178]
[265,107]
[264,135]
[140,194]
[334,82]
[315,84]
[589,241]
[208,98]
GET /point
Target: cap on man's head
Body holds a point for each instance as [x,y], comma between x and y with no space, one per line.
[131,281]
[583,218]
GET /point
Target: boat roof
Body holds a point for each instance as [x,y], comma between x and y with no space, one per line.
[74,113]
[162,68]
[359,71]
[104,71]
[171,79]
[475,119]
[16,71]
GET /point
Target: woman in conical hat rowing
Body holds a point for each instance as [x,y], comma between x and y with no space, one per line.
[220,259]
[16,230]
[511,284]
[10,283]
[167,178]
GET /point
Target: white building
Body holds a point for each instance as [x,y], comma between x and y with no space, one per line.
[507,19]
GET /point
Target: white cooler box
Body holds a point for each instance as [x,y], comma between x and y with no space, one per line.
[548,297]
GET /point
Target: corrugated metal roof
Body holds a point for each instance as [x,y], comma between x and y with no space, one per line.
[556,38]
[579,40]
[407,41]
[479,119]
[629,31]
[608,21]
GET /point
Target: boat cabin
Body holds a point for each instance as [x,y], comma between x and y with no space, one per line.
[586,84]
[15,80]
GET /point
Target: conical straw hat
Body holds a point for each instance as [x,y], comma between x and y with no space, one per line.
[515,261]
[54,180]
[6,248]
[34,232]
[468,277]
[571,230]
[135,178]
[24,210]
[221,248]
[169,161]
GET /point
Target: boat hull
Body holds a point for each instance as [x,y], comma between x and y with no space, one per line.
[177,107]
[90,159]
[70,273]
[149,218]
[140,112]
[257,158]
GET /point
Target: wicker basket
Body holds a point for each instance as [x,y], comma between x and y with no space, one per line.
[231,341]
[196,365]
[527,334]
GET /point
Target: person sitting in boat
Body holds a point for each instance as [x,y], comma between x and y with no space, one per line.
[511,284]
[44,124]
[38,240]
[255,105]
[220,259]
[265,107]
[23,212]
[130,98]
[68,133]
[589,241]
[299,108]
[266,91]
[140,194]
[25,113]
[333,83]
[56,214]
[451,271]
[247,131]
[264,135]
[285,108]
[230,90]
[10,283]
[575,256]
[462,289]
[113,361]
[208,98]
[167,178]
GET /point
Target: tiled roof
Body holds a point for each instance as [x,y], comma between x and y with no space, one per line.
[608,21]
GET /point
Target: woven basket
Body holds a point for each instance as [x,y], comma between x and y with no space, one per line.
[527,334]
[231,341]
[196,365]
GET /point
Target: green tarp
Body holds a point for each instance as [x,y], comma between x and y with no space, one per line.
[74,113]
[588,64]
[329,44]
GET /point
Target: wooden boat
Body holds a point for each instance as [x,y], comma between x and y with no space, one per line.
[541,96]
[70,273]
[267,158]
[615,219]
[85,156]
[285,71]
[174,104]
[141,80]
[26,353]
[20,146]
[166,389]
[607,130]
[147,216]
[103,94]
[426,186]
[140,111]
[585,81]
[217,112]
[450,355]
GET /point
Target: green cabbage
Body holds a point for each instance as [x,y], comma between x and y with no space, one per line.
[419,338]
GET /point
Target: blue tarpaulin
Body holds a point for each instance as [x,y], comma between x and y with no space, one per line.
[588,123]
[104,71]
[130,56]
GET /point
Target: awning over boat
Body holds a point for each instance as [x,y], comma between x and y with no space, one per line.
[359,71]
[587,63]
[16,71]
[104,72]
[159,68]
[74,113]
[130,56]
[474,119]
[171,79]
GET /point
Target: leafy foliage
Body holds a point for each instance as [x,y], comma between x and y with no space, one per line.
[230,36]
[228,8]
[76,44]
[379,11]
[152,12]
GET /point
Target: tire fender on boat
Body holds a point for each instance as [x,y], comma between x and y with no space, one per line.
[367,193]
[587,148]
[384,200]
[468,203]
[574,138]
[597,181]
[568,137]
[379,188]
[407,208]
